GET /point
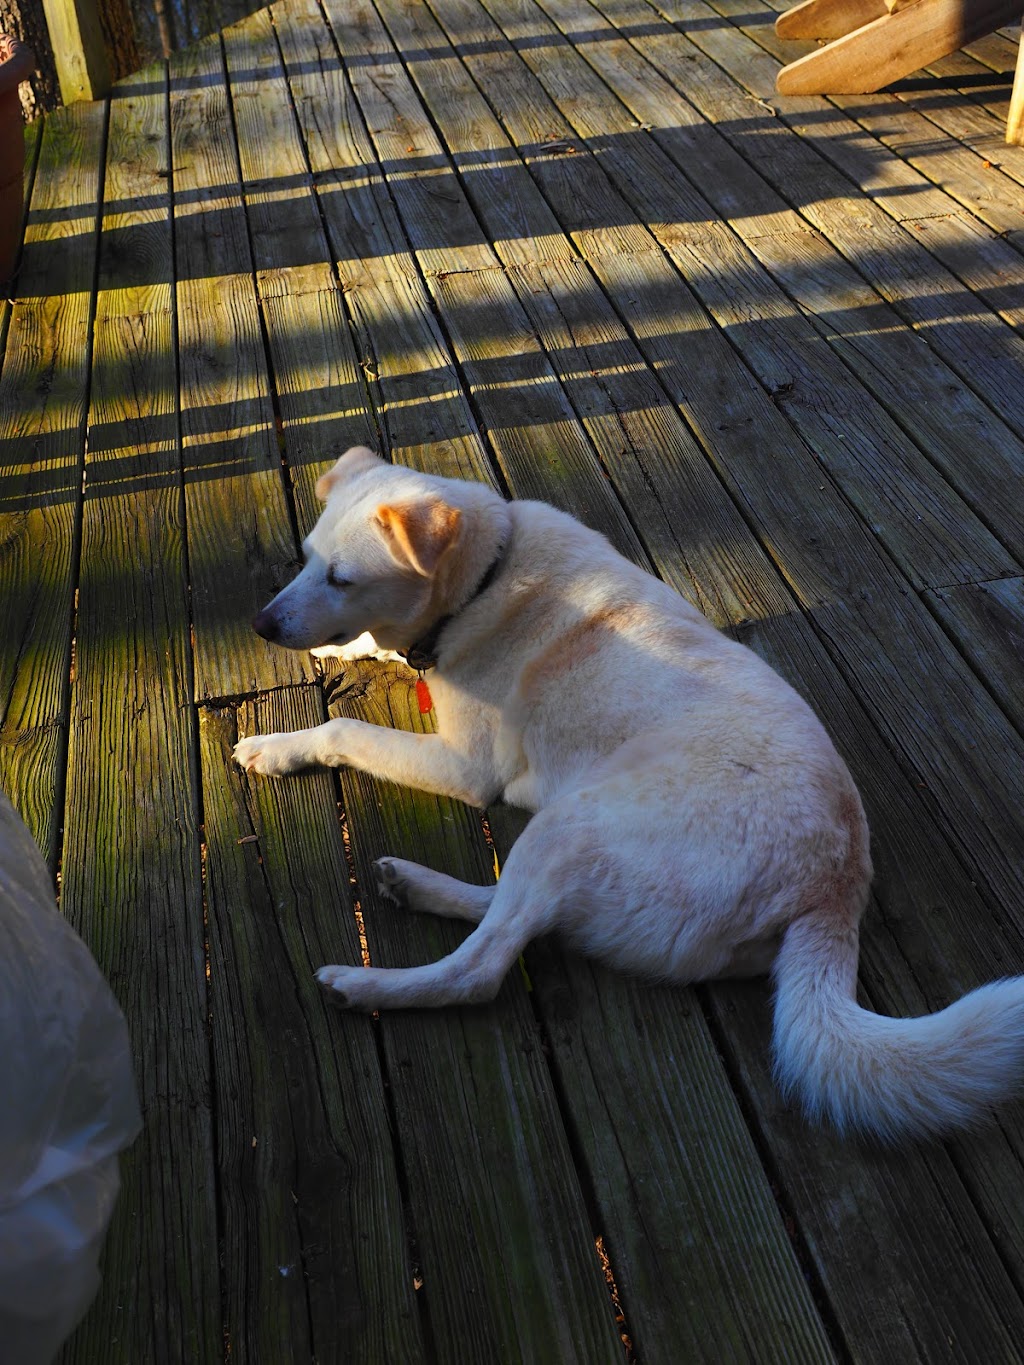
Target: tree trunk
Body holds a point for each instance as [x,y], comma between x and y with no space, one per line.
[25,20]
[119,30]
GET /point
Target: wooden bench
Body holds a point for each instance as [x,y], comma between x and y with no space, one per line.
[870,43]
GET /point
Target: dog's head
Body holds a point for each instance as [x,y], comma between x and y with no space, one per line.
[374,560]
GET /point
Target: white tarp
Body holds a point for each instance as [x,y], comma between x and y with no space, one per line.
[67,1107]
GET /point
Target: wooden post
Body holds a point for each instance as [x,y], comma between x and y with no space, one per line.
[1015,120]
[79,49]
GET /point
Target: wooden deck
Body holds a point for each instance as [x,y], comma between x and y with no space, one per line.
[773,349]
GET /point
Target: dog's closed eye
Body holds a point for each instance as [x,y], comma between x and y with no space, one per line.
[336,579]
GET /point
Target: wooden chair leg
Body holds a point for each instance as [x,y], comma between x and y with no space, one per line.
[1015,121]
[902,40]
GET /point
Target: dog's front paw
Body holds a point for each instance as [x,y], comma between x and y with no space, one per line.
[272,755]
[347,987]
[391,883]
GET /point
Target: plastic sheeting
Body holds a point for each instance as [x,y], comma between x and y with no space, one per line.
[67,1106]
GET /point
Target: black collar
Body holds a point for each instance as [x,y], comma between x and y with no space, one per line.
[423,654]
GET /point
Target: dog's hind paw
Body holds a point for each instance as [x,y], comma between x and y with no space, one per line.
[272,755]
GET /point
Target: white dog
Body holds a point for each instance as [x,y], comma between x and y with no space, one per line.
[693,819]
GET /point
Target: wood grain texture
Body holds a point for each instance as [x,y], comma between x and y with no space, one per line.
[288,245]
[680,1195]
[365,232]
[827,19]
[584,253]
[59,251]
[488,1161]
[439,222]
[981,349]
[821,399]
[523,227]
[316,1259]
[131,868]
[43,401]
[987,621]
[136,272]
[322,406]
[241,545]
[321,389]
[132,797]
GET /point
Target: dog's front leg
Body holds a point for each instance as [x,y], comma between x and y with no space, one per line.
[412,760]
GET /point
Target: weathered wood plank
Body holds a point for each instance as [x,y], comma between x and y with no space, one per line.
[43,391]
[649,453]
[982,350]
[976,116]
[288,244]
[59,250]
[643,1270]
[132,787]
[316,1260]
[486,1156]
[976,83]
[130,829]
[987,622]
[530,425]
[239,529]
[875,463]
[425,416]
[436,217]
[425,419]
[902,372]
[906,1298]
[136,268]
[42,411]
[322,405]
[321,390]
[363,225]
[978,174]
[889,1227]
[521,225]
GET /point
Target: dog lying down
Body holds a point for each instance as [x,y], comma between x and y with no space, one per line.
[692,818]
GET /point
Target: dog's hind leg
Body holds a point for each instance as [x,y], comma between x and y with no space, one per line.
[471,975]
[421,888]
[526,902]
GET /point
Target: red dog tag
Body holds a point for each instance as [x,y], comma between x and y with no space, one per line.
[426,701]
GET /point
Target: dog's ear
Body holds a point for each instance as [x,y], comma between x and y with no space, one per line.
[355,461]
[419,534]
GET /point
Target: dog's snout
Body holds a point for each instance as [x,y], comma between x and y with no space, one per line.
[265,623]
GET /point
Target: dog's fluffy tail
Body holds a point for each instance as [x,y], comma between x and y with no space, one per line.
[894,1078]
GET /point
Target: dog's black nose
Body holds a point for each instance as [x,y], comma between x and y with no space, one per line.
[265,623]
